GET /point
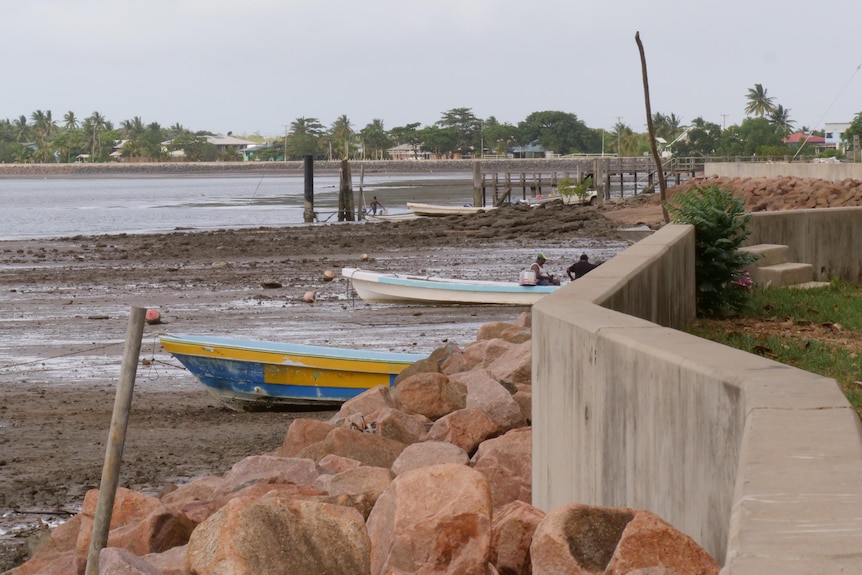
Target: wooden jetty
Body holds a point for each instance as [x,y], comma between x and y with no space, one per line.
[612,177]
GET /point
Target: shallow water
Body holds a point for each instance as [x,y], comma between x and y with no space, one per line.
[63,207]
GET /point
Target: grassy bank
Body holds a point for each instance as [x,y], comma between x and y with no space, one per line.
[818,330]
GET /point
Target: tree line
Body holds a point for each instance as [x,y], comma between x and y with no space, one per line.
[458,133]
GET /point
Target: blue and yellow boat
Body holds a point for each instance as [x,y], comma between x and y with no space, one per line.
[248,375]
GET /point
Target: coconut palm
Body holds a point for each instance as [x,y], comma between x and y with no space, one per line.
[70,120]
[95,124]
[759,104]
[341,131]
[780,118]
[43,128]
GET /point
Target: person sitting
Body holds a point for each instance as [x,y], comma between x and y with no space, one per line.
[580,268]
[542,277]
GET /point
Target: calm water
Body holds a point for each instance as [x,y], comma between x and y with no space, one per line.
[38,208]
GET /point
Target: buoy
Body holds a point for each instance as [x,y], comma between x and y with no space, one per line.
[308,297]
[153,316]
[364,257]
[328,276]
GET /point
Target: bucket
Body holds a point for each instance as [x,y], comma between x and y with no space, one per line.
[527,278]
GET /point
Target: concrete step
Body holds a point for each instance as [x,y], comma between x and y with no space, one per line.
[768,254]
[811,285]
[783,275]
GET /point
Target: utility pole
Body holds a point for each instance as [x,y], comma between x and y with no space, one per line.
[285,143]
[723,121]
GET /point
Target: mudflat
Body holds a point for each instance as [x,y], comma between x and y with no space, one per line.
[65,304]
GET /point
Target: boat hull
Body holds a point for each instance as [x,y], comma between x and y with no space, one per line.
[250,375]
[398,288]
[431,210]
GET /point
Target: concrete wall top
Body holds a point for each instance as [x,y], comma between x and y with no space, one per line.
[832,172]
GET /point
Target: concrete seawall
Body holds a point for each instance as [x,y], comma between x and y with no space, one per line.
[759,462]
[832,172]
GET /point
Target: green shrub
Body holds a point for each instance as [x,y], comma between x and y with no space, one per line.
[720,227]
[568,187]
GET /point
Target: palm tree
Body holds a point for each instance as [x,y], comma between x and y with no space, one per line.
[43,128]
[22,129]
[759,104]
[342,131]
[780,118]
[95,124]
[70,120]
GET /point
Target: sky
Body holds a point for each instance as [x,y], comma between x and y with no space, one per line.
[255,67]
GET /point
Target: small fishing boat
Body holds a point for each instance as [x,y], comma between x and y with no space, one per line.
[440,210]
[400,217]
[249,375]
[400,288]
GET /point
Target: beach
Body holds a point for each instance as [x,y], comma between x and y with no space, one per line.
[65,303]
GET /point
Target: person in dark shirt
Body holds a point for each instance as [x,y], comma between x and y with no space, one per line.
[580,268]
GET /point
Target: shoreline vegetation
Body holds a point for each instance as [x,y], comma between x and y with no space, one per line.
[151,169]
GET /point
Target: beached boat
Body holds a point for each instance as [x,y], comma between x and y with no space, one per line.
[400,288]
[249,375]
[401,217]
[439,210]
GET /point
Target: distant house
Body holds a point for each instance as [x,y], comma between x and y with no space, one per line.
[407,152]
[835,135]
[221,143]
[817,143]
[531,150]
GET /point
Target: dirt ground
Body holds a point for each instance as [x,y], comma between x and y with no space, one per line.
[64,306]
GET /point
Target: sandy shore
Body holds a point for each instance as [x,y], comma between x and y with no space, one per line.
[64,306]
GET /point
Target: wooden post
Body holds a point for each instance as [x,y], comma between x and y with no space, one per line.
[478,188]
[345,193]
[360,211]
[523,178]
[308,166]
[116,439]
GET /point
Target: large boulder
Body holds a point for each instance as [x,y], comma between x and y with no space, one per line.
[402,427]
[271,469]
[430,394]
[280,536]
[369,448]
[511,534]
[487,394]
[360,487]
[507,463]
[466,428]
[432,520]
[361,410]
[302,433]
[429,453]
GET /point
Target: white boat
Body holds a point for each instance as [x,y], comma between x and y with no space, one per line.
[439,210]
[401,217]
[400,288]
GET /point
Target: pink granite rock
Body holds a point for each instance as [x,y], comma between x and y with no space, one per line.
[430,394]
[302,433]
[170,562]
[359,487]
[363,408]
[333,464]
[369,448]
[280,537]
[524,399]
[649,542]
[159,531]
[505,331]
[402,427]
[578,539]
[511,534]
[432,520]
[506,462]
[59,546]
[130,507]
[466,428]
[117,561]
[486,394]
[270,469]
[515,367]
[429,453]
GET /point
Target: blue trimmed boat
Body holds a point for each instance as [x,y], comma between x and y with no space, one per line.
[248,375]
[401,288]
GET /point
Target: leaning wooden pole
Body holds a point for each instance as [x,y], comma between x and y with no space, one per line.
[116,439]
[478,188]
[662,184]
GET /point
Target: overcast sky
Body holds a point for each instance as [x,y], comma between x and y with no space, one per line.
[246,67]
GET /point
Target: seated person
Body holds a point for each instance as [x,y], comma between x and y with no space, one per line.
[542,277]
[580,267]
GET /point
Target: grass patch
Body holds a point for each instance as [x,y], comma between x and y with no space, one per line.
[818,330]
